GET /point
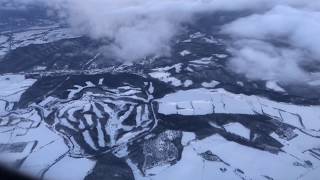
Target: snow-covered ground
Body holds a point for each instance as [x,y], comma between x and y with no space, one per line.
[297,161]
[25,136]
[35,35]
[11,89]
[204,101]
[274,86]
[238,129]
[166,77]
[217,158]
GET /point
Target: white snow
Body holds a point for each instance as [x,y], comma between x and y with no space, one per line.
[187,137]
[197,35]
[3,39]
[229,103]
[176,67]
[9,157]
[13,86]
[40,159]
[39,68]
[202,107]
[238,129]
[211,40]
[47,150]
[208,99]
[185,53]
[253,162]
[101,81]
[291,118]
[240,83]
[192,167]
[2,106]
[78,168]
[274,86]
[211,84]
[166,77]
[202,61]
[34,35]
[221,55]
[187,83]
[187,41]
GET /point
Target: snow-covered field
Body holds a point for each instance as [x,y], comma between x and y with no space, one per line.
[204,101]
[35,35]
[234,161]
[42,152]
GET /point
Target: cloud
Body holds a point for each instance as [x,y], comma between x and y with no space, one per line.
[277,44]
[260,60]
[278,39]
[140,28]
[136,28]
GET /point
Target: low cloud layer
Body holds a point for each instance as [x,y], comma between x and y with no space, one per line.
[140,28]
[277,44]
[274,43]
[261,60]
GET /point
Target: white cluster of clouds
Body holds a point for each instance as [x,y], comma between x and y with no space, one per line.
[139,28]
[276,45]
[261,60]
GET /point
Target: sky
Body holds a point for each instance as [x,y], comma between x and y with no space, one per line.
[275,42]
